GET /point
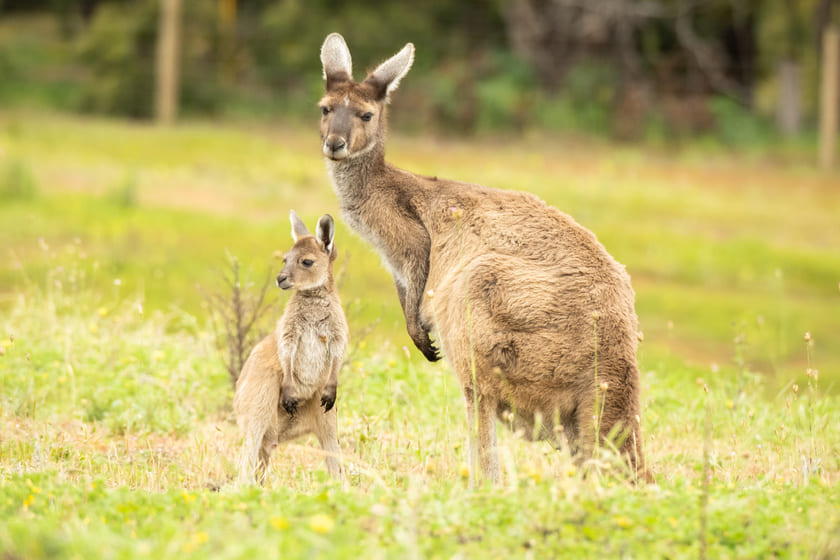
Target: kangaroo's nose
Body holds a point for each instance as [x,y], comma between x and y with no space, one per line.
[280,279]
[335,147]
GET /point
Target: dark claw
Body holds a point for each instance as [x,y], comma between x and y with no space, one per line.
[432,354]
[420,338]
[430,351]
[327,401]
[290,405]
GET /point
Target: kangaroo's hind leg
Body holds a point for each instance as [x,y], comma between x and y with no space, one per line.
[481,421]
[326,430]
[256,450]
[255,403]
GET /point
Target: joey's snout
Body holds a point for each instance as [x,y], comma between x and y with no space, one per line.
[283,281]
[335,147]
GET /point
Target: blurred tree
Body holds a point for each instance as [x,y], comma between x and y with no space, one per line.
[228,69]
[789,104]
[610,65]
[824,14]
[64,9]
[119,52]
[684,47]
[167,58]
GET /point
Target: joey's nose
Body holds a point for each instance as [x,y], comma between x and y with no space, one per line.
[283,281]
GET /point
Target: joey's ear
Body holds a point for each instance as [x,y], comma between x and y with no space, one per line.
[335,57]
[325,232]
[386,78]
[298,227]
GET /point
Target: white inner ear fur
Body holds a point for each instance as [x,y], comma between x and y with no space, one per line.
[392,70]
[326,233]
[298,227]
[335,56]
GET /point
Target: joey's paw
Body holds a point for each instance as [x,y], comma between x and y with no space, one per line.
[328,397]
[327,402]
[290,405]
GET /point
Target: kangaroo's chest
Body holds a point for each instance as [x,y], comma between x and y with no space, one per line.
[376,213]
[306,347]
[374,232]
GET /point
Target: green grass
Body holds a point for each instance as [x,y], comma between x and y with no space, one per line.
[717,246]
[115,410]
[117,431]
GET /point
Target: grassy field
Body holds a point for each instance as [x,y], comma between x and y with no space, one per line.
[116,438]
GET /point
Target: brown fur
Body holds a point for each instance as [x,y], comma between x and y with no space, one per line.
[292,373]
[518,294]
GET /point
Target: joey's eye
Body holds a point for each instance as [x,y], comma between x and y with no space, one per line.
[307,262]
[325,110]
[367,116]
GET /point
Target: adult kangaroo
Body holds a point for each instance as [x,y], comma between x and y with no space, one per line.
[533,314]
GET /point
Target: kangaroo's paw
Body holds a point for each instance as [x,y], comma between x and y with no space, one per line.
[290,404]
[328,398]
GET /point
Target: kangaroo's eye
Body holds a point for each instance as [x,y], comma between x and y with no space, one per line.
[367,116]
[307,262]
[325,110]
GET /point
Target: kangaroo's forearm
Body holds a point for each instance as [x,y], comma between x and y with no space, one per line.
[410,292]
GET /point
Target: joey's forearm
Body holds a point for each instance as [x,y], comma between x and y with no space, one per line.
[288,389]
[335,366]
[331,388]
[287,372]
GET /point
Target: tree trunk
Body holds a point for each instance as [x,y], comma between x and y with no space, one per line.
[789,106]
[166,94]
[830,76]
[228,69]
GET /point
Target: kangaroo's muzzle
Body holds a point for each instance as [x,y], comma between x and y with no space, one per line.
[283,282]
[335,147]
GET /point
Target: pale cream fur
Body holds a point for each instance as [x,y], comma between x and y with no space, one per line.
[288,385]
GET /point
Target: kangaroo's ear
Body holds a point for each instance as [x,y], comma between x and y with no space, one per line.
[386,78]
[298,227]
[335,57]
[325,232]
